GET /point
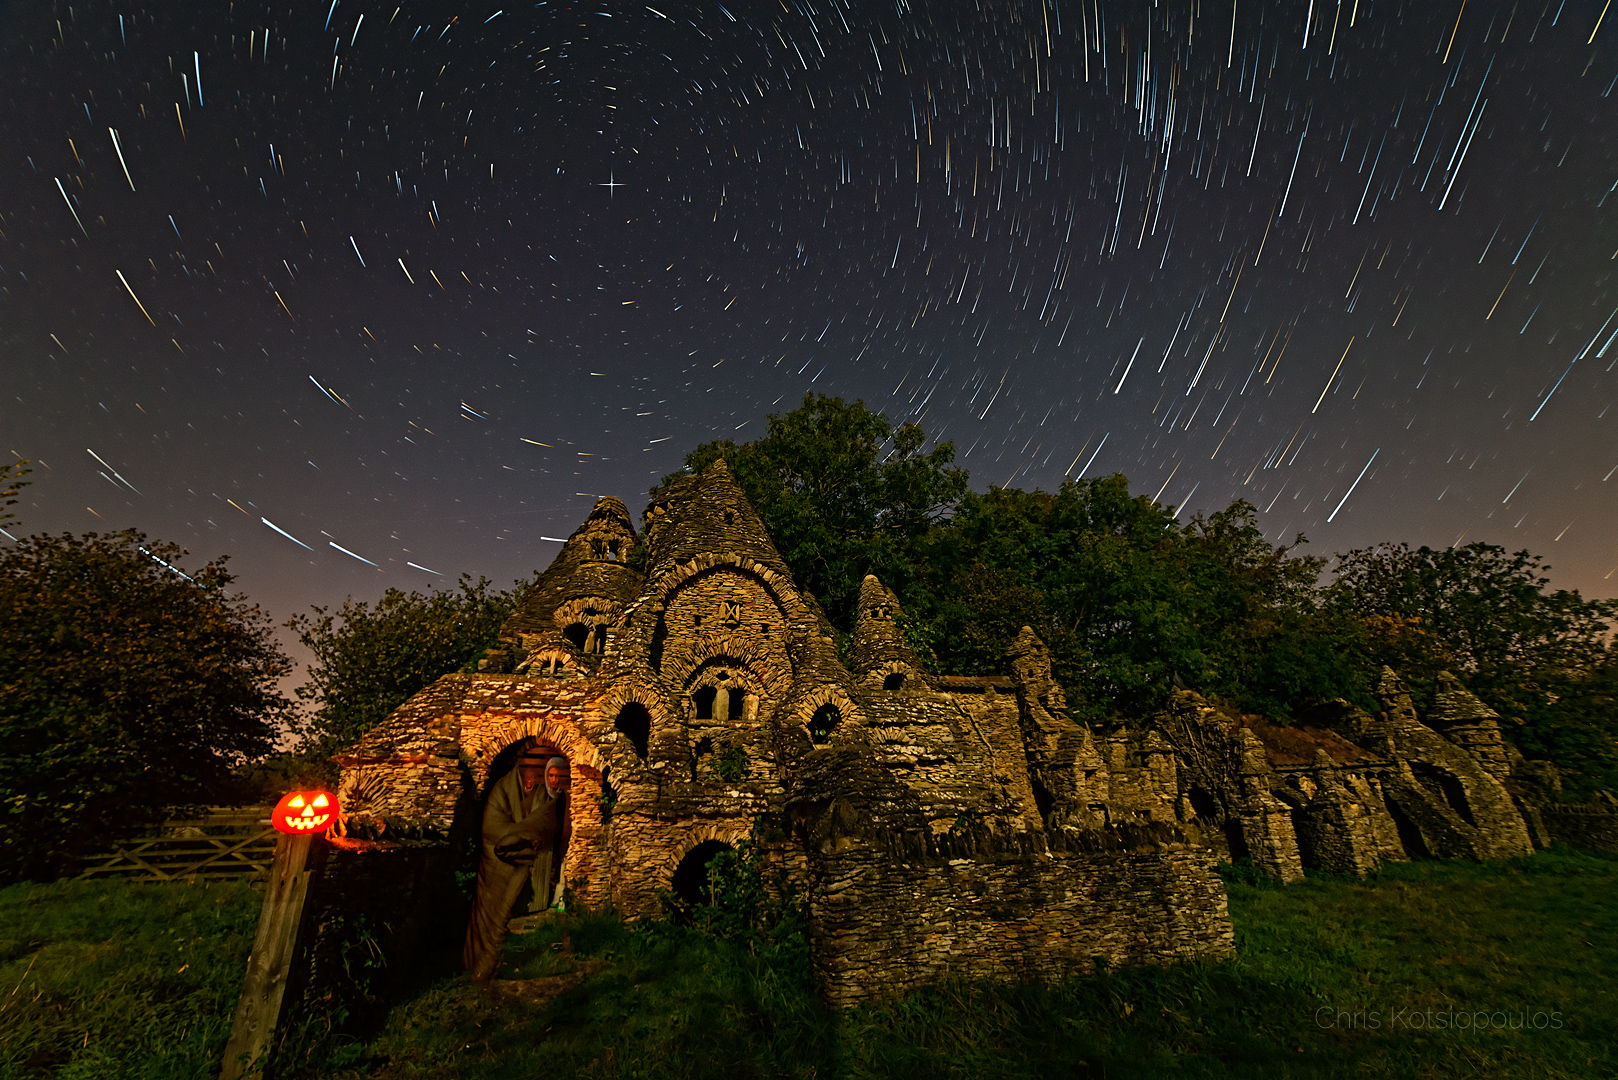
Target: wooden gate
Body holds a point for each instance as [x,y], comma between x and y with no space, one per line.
[228,842]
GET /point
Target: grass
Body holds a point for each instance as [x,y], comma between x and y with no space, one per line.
[116,979]
[1532,936]
[1334,977]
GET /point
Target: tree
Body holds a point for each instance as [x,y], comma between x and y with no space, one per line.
[1486,611]
[1276,647]
[128,685]
[1540,658]
[843,494]
[11,484]
[1131,603]
[368,660]
[1083,567]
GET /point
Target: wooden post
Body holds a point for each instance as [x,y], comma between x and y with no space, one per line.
[275,947]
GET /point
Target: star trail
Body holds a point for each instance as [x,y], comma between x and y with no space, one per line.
[417,281]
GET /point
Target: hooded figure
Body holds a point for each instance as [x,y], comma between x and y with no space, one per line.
[520,824]
[546,874]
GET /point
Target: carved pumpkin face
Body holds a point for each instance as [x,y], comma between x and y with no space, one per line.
[303,812]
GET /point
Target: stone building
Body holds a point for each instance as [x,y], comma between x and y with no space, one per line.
[942,824]
[1347,790]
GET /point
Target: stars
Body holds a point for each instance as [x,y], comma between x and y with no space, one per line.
[938,216]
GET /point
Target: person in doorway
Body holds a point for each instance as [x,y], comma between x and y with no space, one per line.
[546,874]
[520,823]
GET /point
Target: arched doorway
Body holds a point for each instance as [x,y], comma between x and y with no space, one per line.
[498,739]
[690,883]
[504,762]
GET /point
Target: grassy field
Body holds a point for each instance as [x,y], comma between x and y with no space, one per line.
[1429,969]
[114,979]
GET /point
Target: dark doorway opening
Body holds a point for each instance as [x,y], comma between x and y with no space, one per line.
[1236,842]
[1044,800]
[1409,835]
[1447,787]
[1207,810]
[690,882]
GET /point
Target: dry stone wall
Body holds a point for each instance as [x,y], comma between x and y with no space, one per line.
[1592,824]
[885,924]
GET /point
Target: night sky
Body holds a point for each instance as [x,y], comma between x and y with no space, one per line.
[385,293]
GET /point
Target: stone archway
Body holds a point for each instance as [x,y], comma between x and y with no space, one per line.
[826,701]
[725,832]
[648,852]
[485,735]
[689,881]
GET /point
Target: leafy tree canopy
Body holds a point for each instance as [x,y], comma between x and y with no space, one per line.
[128,685]
[369,659]
[1539,657]
[843,494]
[1132,603]
[1483,612]
[1129,600]
[11,483]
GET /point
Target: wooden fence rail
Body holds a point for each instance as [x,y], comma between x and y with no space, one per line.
[229,842]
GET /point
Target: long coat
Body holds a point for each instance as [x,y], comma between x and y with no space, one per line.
[517,828]
[547,869]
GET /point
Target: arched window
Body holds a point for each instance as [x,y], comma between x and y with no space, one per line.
[823,723]
[635,722]
[703,700]
[577,634]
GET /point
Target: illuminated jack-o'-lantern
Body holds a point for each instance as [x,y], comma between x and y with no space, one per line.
[302,812]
